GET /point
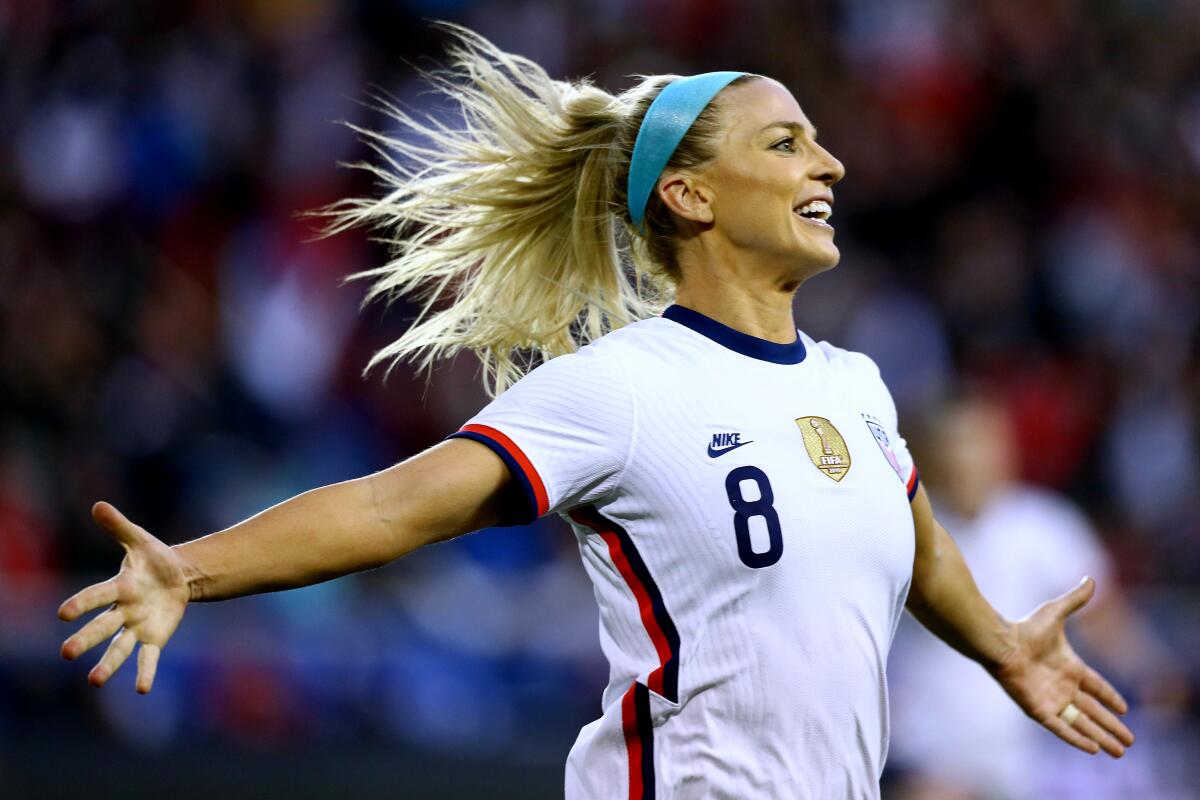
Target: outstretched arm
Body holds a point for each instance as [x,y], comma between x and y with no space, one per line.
[451,489]
[1030,658]
[332,531]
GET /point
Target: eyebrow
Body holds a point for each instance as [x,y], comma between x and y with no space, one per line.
[795,127]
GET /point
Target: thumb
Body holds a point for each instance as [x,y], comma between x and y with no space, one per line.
[1077,598]
[117,525]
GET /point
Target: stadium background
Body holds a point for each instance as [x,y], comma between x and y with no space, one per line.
[1020,213]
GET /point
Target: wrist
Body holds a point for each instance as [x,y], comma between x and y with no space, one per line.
[1005,647]
[194,579]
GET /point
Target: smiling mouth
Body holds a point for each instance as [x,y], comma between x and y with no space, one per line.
[816,213]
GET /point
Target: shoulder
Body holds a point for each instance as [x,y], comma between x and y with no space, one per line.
[598,370]
[635,337]
[855,368]
[654,343]
[840,358]
[858,375]
[653,340]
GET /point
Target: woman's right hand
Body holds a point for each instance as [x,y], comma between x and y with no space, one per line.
[145,600]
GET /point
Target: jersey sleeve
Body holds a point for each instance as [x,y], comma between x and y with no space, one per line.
[564,431]
[887,419]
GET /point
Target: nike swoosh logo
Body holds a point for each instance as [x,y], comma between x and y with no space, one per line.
[717,453]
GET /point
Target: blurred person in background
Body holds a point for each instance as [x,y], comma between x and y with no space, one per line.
[736,671]
[955,734]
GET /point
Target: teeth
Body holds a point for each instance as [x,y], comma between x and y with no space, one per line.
[818,209]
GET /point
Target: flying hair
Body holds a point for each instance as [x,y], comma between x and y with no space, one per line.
[510,224]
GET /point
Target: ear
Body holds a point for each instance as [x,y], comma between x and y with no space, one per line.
[687,196]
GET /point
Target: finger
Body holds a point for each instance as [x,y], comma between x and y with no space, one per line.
[113,658]
[1075,599]
[1104,718]
[83,601]
[1088,727]
[1071,736]
[1095,685]
[92,634]
[147,667]
[117,524]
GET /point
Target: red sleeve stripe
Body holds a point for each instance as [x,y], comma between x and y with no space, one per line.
[914,481]
[517,461]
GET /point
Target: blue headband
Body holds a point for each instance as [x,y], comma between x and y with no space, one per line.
[667,121]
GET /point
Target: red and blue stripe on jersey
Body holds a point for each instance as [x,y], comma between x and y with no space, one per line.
[639,740]
[663,679]
[537,502]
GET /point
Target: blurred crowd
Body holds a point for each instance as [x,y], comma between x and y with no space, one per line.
[1020,221]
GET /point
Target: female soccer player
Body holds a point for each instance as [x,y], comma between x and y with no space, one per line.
[742,499]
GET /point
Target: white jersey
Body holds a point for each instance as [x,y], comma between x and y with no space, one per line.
[742,510]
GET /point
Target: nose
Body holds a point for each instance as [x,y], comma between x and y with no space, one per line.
[827,169]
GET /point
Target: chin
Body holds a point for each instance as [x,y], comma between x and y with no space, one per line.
[831,256]
[816,260]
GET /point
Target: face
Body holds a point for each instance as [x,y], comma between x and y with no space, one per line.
[973,448]
[768,191]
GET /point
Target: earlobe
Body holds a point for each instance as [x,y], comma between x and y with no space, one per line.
[686,198]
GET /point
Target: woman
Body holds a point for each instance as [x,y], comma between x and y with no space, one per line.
[743,502]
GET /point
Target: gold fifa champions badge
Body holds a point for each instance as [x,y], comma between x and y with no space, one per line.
[825,446]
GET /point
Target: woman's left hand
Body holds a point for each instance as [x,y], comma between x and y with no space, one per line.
[1047,679]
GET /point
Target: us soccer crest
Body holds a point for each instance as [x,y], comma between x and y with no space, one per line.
[885,444]
[825,446]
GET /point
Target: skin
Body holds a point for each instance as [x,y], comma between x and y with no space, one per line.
[743,253]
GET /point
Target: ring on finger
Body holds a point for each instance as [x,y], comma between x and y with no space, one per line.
[1069,714]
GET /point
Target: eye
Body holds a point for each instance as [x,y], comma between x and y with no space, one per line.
[786,145]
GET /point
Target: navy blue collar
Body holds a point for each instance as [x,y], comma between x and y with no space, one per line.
[737,341]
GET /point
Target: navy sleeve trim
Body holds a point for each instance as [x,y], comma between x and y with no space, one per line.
[523,506]
[914,483]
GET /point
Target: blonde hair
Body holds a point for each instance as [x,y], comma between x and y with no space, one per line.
[513,225]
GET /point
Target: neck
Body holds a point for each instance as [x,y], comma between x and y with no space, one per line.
[740,298]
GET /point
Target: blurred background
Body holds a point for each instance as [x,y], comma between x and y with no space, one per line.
[1020,229]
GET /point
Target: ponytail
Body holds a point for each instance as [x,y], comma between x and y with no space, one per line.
[509,224]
